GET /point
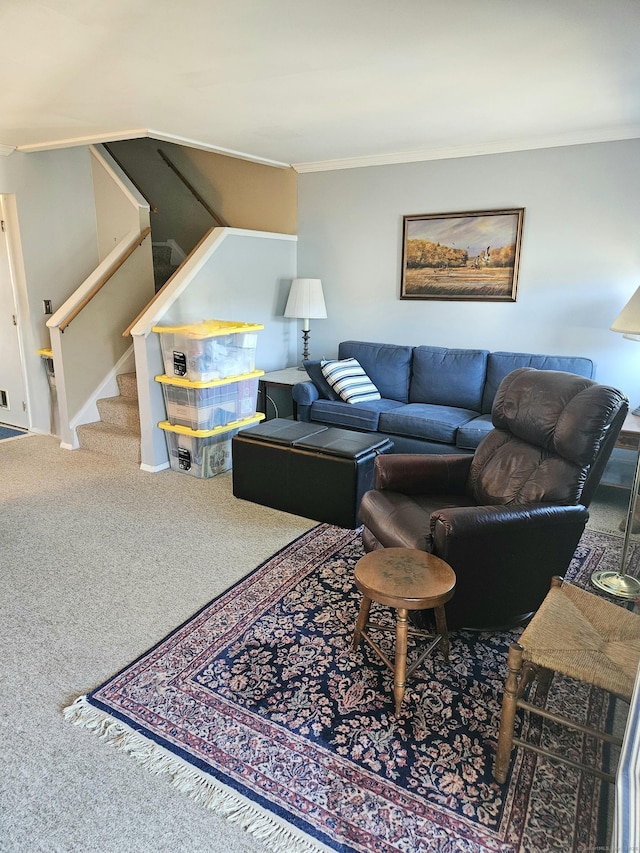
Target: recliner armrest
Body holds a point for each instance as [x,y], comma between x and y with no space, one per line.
[480,522]
[503,557]
[420,473]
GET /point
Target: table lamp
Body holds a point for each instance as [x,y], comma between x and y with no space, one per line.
[306,302]
[618,583]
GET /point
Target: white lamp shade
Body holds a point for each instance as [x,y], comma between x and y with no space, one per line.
[306,300]
[628,321]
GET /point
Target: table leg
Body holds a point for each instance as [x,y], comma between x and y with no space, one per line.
[400,671]
[363,615]
[441,628]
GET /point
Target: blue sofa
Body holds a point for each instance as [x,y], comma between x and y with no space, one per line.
[433,399]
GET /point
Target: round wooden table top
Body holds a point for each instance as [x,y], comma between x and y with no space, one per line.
[405,578]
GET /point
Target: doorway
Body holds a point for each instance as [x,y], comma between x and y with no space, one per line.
[13,387]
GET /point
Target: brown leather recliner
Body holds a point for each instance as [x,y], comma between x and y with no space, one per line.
[508,518]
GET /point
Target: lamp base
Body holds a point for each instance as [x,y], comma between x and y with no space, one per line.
[305,344]
[613,583]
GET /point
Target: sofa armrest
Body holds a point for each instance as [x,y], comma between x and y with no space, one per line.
[420,473]
[305,393]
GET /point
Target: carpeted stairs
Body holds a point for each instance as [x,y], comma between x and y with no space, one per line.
[118,431]
[163,268]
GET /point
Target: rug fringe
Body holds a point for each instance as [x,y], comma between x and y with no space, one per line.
[199,786]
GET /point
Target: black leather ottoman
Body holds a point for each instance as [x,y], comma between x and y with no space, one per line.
[307,469]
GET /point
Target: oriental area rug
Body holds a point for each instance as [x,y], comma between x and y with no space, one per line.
[258,708]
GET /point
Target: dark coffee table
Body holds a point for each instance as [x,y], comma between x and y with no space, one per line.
[307,469]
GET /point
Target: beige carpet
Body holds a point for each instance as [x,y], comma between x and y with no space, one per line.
[99,561]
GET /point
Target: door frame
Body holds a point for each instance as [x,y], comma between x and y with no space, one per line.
[18,284]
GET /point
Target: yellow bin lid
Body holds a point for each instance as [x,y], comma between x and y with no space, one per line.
[208,328]
[188,383]
[206,433]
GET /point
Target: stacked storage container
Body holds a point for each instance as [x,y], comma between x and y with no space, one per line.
[210,390]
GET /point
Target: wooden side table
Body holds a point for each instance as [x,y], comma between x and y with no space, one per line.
[285,378]
[619,471]
[406,579]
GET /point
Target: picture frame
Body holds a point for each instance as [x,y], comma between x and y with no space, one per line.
[462,256]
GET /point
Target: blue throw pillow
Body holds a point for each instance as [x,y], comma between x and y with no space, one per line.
[315,374]
[347,377]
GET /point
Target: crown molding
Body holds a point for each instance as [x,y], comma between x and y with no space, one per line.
[413,156]
[75,141]
[216,149]
[473,150]
[138,133]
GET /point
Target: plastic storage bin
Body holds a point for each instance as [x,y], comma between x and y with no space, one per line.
[207,405]
[213,349]
[203,453]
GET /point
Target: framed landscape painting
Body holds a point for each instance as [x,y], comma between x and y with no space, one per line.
[464,256]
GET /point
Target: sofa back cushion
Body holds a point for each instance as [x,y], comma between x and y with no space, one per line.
[448,377]
[315,374]
[500,364]
[387,365]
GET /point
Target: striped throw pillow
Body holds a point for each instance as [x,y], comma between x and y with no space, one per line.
[349,380]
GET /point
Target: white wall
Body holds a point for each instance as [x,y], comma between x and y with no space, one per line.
[56,218]
[234,275]
[247,280]
[580,259]
[119,209]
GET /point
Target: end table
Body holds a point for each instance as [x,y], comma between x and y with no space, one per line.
[285,378]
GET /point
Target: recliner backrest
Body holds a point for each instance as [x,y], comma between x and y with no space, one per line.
[553,433]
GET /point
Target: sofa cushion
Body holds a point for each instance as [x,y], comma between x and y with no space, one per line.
[315,374]
[448,377]
[387,365]
[471,434]
[500,364]
[360,416]
[347,377]
[424,420]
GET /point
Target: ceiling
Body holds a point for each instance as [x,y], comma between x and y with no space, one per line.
[322,84]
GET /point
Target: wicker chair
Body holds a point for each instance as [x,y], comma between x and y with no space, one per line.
[577,634]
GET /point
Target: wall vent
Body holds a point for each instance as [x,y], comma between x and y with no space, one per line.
[4,399]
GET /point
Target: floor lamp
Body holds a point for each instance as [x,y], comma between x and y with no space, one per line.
[618,583]
[306,302]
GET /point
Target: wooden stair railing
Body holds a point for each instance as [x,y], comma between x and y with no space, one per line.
[133,245]
[127,331]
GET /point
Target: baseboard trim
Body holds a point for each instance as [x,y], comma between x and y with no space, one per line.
[153,469]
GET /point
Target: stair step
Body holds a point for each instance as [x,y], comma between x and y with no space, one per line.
[111,440]
[120,411]
[127,385]
[161,253]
